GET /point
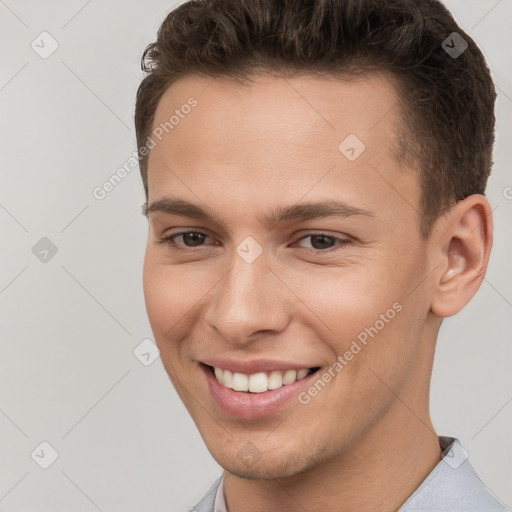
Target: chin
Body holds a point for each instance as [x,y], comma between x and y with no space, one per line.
[261,472]
[266,467]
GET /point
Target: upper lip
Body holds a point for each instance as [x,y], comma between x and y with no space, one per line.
[255,365]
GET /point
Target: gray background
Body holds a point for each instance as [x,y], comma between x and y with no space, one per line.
[69,325]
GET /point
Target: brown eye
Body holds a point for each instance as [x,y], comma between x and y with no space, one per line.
[322,242]
[188,239]
[192,239]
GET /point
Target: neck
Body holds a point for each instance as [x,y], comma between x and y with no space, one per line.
[378,472]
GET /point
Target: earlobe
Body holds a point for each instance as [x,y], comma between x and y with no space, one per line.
[463,250]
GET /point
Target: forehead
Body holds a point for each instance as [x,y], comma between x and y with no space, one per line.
[272,134]
[296,107]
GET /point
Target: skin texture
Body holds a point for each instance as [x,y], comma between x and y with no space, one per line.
[366,441]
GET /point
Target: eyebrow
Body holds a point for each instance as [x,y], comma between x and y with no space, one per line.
[297,212]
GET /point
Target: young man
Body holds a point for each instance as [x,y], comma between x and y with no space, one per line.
[315,175]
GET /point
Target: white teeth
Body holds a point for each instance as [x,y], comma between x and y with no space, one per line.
[275,380]
[302,373]
[227,379]
[258,382]
[240,382]
[289,377]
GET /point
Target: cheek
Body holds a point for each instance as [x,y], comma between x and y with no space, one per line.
[348,300]
[173,296]
[363,313]
[166,296]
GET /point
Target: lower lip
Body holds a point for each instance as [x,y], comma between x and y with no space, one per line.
[253,405]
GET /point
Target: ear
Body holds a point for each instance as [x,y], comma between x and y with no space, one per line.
[462,246]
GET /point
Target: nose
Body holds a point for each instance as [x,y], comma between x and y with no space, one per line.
[250,299]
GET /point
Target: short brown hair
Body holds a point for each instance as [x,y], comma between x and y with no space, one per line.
[447,101]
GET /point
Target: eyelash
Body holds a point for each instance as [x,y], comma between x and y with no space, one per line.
[169,241]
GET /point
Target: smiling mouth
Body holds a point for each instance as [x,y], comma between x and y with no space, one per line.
[259,382]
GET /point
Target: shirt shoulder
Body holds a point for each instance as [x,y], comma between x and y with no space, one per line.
[207,503]
[452,486]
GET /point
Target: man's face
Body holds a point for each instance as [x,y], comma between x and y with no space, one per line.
[253,296]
